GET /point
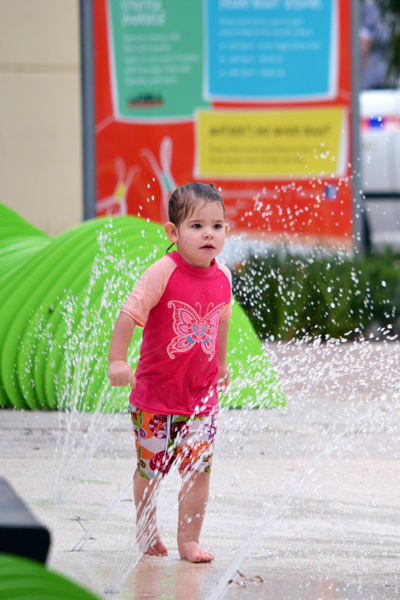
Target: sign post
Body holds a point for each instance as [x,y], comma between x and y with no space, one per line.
[88,116]
[358,209]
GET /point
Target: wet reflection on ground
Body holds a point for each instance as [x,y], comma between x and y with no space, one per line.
[155,579]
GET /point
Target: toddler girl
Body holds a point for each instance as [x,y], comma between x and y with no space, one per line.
[183,302]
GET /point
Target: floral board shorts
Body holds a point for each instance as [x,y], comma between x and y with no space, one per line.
[162,440]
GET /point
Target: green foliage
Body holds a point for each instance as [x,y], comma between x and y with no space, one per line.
[329,296]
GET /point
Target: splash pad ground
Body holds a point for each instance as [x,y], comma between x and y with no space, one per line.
[324,471]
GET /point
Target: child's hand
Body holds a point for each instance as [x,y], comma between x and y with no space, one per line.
[224,377]
[120,373]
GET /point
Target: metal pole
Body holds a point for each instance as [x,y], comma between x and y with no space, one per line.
[88,115]
[358,210]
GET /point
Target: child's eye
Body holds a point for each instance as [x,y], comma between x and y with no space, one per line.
[217,226]
[196,226]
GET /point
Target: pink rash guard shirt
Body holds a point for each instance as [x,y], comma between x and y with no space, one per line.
[180,308]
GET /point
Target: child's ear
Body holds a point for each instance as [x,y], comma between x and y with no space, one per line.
[172,232]
[226,227]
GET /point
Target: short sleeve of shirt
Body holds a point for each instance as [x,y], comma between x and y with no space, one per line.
[227,311]
[148,291]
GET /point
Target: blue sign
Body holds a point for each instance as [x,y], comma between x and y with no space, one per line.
[271,49]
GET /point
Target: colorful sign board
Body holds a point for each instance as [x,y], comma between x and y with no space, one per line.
[264,144]
[156,60]
[271,49]
[253,95]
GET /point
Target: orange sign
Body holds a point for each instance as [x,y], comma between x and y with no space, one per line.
[254,96]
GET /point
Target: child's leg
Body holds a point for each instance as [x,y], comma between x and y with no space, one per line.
[153,461]
[192,507]
[194,451]
[145,493]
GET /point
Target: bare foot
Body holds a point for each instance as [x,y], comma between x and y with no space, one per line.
[192,552]
[156,547]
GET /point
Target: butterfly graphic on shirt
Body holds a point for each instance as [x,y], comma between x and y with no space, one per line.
[191,328]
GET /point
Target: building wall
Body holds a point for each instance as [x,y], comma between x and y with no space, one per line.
[40,112]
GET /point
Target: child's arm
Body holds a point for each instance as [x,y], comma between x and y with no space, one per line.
[224,376]
[119,372]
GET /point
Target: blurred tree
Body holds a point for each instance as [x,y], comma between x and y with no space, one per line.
[394,67]
[390,10]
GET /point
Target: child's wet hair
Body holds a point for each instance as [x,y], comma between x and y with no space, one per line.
[184,200]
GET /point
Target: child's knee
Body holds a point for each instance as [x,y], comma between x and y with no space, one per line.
[147,476]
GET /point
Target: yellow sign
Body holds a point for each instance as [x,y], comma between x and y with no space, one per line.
[273,143]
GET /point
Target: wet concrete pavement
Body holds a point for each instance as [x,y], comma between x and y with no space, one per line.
[313,489]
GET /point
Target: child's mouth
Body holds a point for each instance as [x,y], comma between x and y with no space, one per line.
[207,247]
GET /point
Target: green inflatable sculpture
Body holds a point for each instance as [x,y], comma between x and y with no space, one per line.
[59,299]
[23,579]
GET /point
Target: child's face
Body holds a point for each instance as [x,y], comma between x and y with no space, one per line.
[201,236]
